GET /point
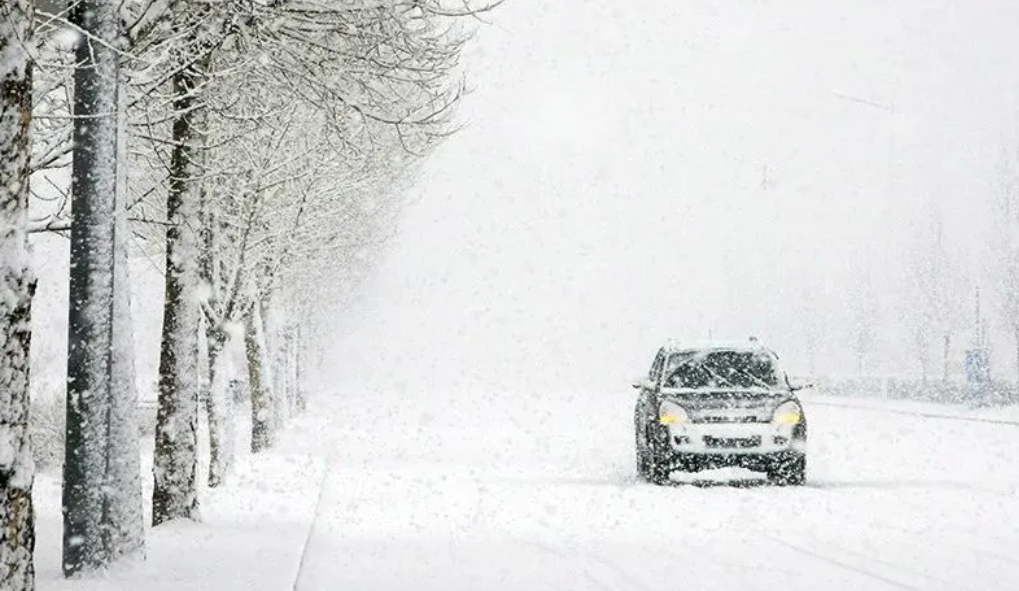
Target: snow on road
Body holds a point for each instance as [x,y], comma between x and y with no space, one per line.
[501,490]
[504,491]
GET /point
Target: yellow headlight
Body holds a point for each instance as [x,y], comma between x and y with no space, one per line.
[670,413]
[788,413]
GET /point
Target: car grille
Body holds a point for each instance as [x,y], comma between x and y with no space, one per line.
[732,442]
[725,419]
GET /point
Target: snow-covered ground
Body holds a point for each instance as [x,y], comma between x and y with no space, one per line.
[251,538]
[533,493]
[511,490]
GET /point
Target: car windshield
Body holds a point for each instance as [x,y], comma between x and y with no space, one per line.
[722,369]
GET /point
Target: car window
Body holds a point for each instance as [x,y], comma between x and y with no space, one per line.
[723,369]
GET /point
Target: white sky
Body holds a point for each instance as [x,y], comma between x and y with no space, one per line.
[607,192]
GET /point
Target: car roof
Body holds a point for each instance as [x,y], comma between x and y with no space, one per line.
[675,346]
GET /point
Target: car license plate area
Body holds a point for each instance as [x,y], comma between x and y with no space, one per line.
[732,442]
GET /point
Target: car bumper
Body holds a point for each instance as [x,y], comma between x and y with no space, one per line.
[734,440]
[755,462]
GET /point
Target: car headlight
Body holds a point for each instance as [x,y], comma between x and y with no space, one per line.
[788,413]
[670,413]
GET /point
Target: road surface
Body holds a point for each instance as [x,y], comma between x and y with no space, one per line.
[504,491]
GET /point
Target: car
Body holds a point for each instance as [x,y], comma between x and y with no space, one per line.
[719,405]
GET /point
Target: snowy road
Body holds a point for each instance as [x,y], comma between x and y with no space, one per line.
[540,495]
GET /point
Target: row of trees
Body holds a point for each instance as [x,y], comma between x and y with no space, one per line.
[260,147]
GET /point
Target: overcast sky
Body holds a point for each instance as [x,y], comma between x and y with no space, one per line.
[652,169]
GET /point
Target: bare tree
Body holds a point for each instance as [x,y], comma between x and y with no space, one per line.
[175,491]
[257,114]
[936,308]
[101,443]
[77,73]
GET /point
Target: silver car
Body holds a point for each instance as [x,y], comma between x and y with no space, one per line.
[718,406]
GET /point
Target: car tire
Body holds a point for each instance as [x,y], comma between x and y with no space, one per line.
[789,471]
[640,449]
[657,471]
[640,454]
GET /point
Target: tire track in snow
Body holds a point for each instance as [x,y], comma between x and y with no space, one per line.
[920,541]
[845,565]
[841,550]
[616,577]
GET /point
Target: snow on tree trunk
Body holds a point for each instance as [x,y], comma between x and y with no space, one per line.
[17,516]
[218,404]
[272,360]
[259,378]
[125,515]
[88,521]
[175,492]
[218,407]
[290,368]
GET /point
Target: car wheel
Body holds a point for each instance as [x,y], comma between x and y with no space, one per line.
[640,448]
[789,471]
[656,470]
[658,474]
[640,453]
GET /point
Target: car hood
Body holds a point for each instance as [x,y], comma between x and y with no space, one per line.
[728,405]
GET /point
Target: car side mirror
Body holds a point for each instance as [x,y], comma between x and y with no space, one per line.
[641,383]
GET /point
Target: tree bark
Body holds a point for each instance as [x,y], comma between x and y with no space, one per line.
[290,368]
[218,403]
[258,382]
[87,503]
[17,516]
[217,408]
[175,492]
[125,514]
[273,359]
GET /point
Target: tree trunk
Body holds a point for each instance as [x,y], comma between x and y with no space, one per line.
[299,392]
[87,500]
[175,492]
[947,358]
[1017,359]
[218,403]
[290,365]
[125,515]
[217,408]
[923,356]
[17,516]
[272,370]
[258,382]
